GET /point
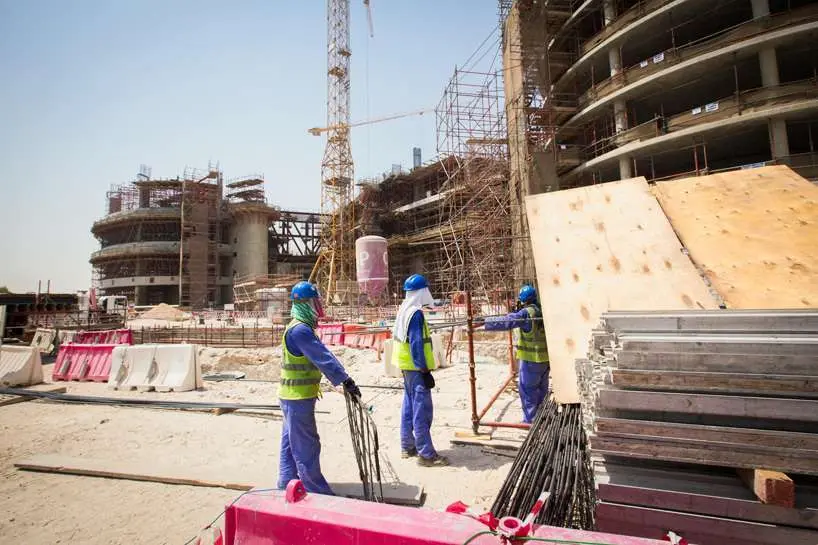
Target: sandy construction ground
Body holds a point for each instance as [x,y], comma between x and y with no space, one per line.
[41,508]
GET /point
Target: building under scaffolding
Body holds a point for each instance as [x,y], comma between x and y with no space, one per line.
[603,90]
[450,218]
[186,240]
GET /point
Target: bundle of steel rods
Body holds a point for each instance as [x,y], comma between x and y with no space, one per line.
[365,443]
[553,458]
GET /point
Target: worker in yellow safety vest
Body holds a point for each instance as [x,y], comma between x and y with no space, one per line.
[305,359]
[532,350]
[412,354]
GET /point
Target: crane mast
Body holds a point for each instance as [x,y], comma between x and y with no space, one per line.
[335,259]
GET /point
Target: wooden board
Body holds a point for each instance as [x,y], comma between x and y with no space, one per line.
[708,504]
[49,388]
[771,487]
[400,494]
[712,453]
[799,410]
[718,363]
[616,427]
[699,529]
[729,383]
[599,248]
[753,233]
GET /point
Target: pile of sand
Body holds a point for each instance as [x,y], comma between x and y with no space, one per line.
[164,312]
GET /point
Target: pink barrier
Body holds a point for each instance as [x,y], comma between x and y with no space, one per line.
[107,336]
[295,516]
[331,334]
[83,362]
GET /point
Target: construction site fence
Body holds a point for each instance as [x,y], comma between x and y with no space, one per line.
[228,337]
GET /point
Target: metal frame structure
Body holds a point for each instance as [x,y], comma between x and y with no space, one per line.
[335,260]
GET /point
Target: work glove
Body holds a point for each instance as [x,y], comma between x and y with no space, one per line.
[352,388]
[428,380]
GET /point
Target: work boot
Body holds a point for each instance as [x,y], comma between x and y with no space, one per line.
[437,461]
[411,453]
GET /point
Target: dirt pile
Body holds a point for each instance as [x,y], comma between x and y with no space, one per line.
[163,311]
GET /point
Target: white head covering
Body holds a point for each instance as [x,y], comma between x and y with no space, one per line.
[413,302]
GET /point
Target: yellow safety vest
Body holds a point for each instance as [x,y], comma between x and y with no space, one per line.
[299,377]
[532,345]
[402,353]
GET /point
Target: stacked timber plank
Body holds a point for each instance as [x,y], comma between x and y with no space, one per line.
[680,404]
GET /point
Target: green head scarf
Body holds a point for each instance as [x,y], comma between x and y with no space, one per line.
[303,312]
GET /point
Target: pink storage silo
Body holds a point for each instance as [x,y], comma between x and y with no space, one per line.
[372,265]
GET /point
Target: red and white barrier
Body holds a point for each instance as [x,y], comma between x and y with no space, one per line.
[83,362]
[107,336]
[295,516]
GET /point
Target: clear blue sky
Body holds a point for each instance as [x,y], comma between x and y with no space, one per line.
[93,88]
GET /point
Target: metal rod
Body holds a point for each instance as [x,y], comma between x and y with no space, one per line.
[475,420]
[495,396]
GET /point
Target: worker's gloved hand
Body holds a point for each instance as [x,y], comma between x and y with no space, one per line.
[428,380]
[352,388]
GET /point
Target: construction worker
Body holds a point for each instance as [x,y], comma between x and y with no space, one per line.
[412,354]
[305,359]
[532,351]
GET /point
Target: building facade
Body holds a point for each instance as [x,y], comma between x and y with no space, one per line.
[190,239]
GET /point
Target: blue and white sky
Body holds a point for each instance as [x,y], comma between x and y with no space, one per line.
[91,89]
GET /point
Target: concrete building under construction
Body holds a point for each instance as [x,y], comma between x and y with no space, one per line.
[192,240]
[604,90]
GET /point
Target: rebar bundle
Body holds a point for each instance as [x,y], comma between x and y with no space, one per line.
[365,443]
[553,458]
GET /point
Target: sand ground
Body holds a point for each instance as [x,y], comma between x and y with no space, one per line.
[40,508]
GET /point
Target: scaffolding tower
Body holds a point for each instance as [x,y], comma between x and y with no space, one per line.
[474,212]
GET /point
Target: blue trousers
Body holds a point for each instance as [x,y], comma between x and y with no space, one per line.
[416,416]
[300,456]
[533,387]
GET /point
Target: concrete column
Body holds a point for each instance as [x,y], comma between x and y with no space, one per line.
[625,168]
[620,115]
[768,61]
[761,8]
[609,11]
[615,60]
[140,292]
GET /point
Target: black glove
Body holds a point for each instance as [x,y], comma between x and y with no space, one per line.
[352,388]
[428,380]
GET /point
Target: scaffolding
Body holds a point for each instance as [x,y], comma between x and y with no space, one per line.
[201,216]
[160,238]
[474,208]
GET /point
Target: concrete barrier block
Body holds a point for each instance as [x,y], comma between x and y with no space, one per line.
[20,366]
[159,367]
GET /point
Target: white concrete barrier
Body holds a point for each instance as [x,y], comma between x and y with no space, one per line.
[20,366]
[43,340]
[160,367]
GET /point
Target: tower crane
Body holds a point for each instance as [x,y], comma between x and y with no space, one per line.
[318,131]
[335,258]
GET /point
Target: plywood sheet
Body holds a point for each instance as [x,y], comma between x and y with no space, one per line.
[600,248]
[753,232]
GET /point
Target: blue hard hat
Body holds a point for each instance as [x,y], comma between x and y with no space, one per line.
[528,294]
[415,282]
[303,290]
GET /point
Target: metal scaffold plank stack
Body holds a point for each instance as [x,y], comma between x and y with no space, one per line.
[681,403]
